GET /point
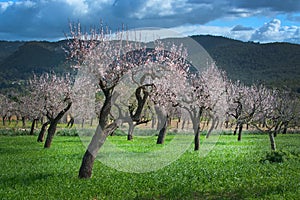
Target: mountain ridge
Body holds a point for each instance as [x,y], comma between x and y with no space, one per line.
[275,64]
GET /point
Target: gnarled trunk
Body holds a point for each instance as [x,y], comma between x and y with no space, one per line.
[42,132]
[53,124]
[32,126]
[51,133]
[99,137]
[235,129]
[240,132]
[197,139]
[3,121]
[162,132]
[23,122]
[130,131]
[96,143]
[272,141]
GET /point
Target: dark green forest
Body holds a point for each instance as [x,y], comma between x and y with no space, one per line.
[273,64]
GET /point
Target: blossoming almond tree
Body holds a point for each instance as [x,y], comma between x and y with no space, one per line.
[7,108]
[206,93]
[56,96]
[109,57]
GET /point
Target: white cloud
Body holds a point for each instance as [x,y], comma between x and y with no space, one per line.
[273,31]
[5,5]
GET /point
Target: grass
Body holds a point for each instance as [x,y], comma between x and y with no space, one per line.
[232,170]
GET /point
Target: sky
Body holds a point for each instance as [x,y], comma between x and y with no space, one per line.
[247,20]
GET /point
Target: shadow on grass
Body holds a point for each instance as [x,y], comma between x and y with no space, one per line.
[27,180]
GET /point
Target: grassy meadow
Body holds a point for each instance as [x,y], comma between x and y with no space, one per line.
[232,170]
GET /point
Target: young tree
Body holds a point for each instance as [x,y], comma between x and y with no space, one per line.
[7,108]
[236,95]
[56,96]
[206,94]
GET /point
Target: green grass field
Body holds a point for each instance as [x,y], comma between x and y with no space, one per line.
[232,170]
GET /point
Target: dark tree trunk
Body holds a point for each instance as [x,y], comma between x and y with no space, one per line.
[9,120]
[42,132]
[23,122]
[99,137]
[71,122]
[197,139]
[240,132]
[53,124]
[162,132]
[130,131]
[226,124]
[272,141]
[3,121]
[285,127]
[96,143]
[17,121]
[51,133]
[235,129]
[32,126]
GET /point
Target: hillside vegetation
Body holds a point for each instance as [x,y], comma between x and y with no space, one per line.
[275,64]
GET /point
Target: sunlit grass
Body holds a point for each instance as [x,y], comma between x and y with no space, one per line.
[230,171]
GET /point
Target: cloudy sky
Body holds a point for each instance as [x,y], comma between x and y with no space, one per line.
[247,20]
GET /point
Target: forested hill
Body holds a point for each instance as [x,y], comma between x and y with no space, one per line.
[276,64]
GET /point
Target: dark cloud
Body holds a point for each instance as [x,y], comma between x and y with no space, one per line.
[40,19]
[241,28]
[272,5]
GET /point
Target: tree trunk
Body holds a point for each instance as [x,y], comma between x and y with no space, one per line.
[51,132]
[37,123]
[197,139]
[23,122]
[285,128]
[214,120]
[82,123]
[96,143]
[183,124]
[42,132]
[91,124]
[162,132]
[235,129]
[32,126]
[240,132]
[17,121]
[3,121]
[71,122]
[153,122]
[272,141]
[99,137]
[53,124]
[9,120]
[130,131]
[276,130]
[226,124]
